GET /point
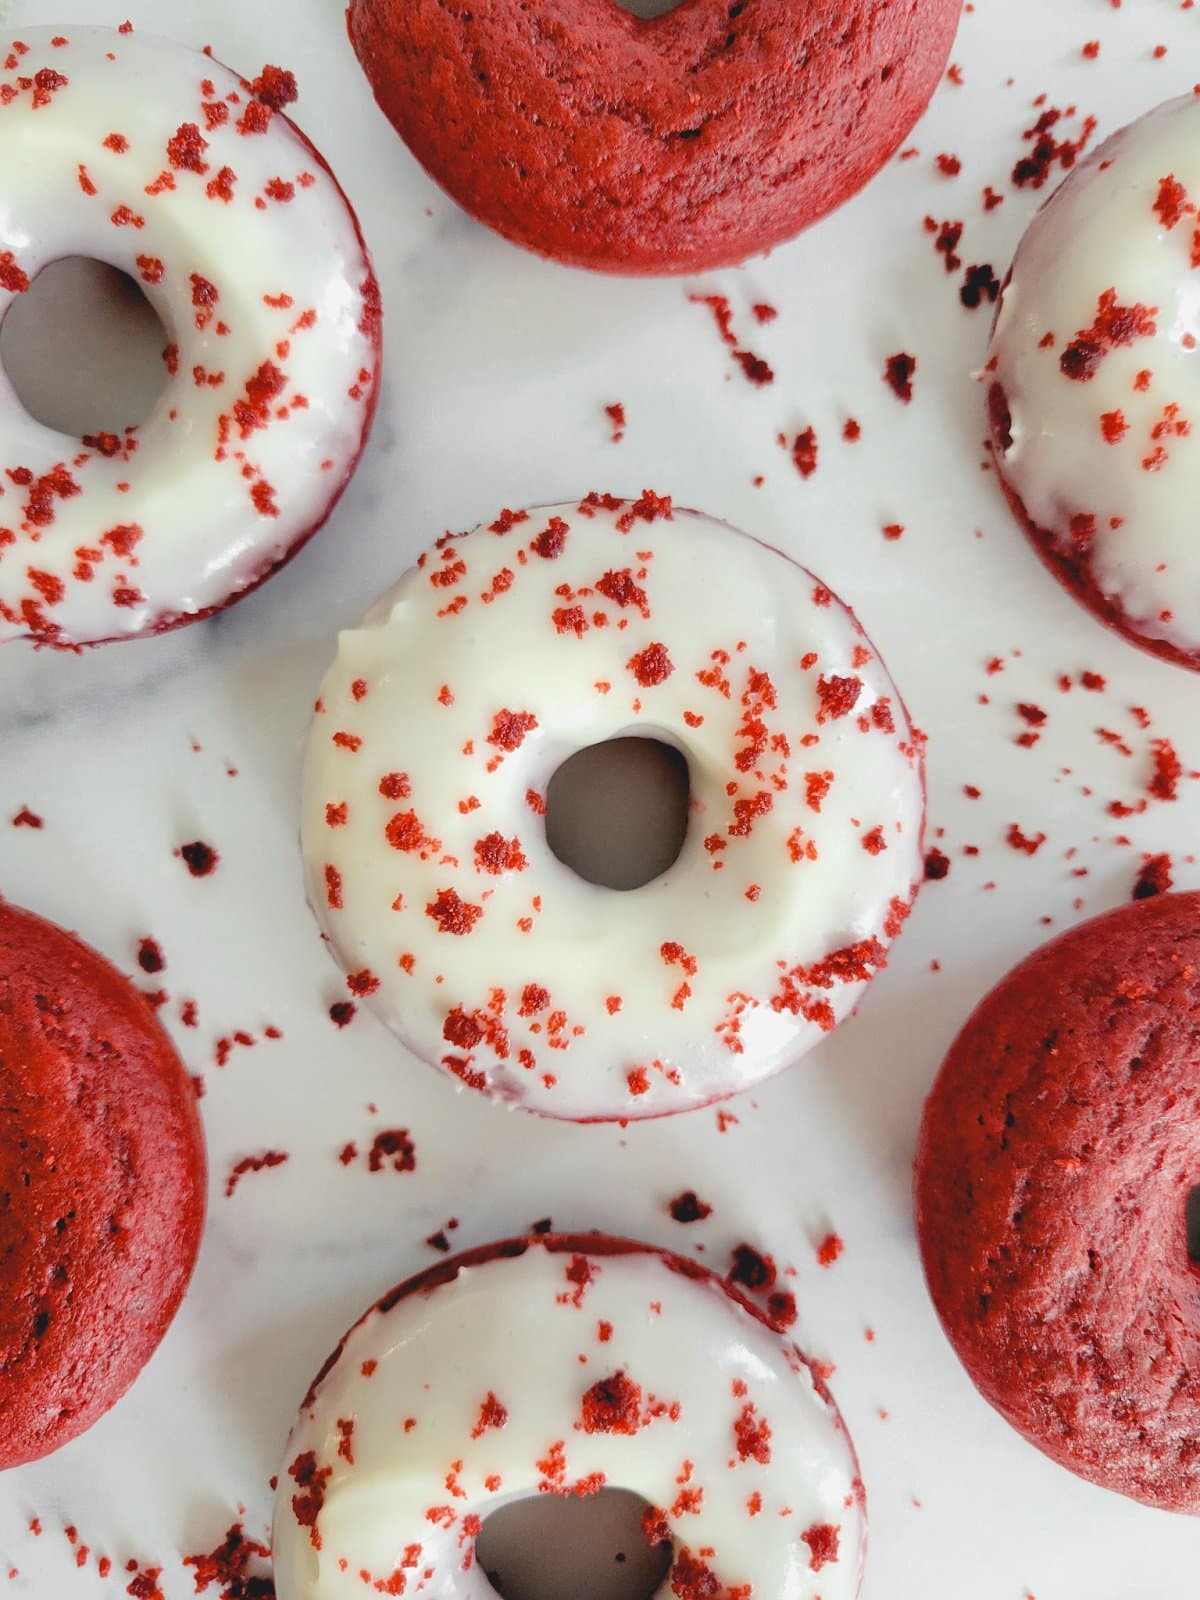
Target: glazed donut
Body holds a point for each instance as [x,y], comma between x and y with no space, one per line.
[102,1185]
[1093,382]
[689,141]
[163,163]
[504,652]
[616,1366]
[1057,1152]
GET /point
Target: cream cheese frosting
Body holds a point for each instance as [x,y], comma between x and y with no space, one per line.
[158,160]
[444,717]
[1094,373]
[561,1365]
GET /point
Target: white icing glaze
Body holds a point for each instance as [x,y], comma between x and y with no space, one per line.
[97,545]
[440,725]
[1113,226]
[465,1396]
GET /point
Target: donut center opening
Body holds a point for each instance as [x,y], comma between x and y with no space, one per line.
[82,348]
[646,9]
[617,812]
[1191,1221]
[550,1545]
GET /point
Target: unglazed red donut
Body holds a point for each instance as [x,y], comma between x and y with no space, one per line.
[167,165]
[617,1366]
[102,1185]
[440,725]
[1057,1152]
[689,141]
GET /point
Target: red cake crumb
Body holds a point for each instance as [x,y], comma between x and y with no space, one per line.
[341,1013]
[751,1269]
[1154,878]
[1023,842]
[937,865]
[201,859]
[829,1249]
[805,448]
[898,373]
[822,1540]
[226,1568]
[612,1406]
[688,1207]
[616,415]
[269,1158]
[25,818]
[393,1147]
[150,956]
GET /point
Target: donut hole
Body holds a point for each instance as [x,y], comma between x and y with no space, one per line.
[1191,1222]
[82,348]
[617,812]
[649,9]
[591,1548]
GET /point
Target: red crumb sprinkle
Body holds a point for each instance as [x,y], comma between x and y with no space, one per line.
[201,858]
[150,956]
[616,415]
[822,1541]
[612,1406]
[269,1158]
[851,430]
[829,1249]
[453,914]
[275,88]
[25,818]
[341,1013]
[949,166]
[1115,326]
[1023,842]
[509,729]
[226,1567]
[752,1436]
[752,1269]
[651,666]
[688,1207]
[937,865]
[898,373]
[392,1148]
[1168,769]
[837,697]
[492,1414]
[1034,169]
[1154,878]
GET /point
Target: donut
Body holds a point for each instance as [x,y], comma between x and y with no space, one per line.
[675,144]
[619,1366]
[1094,392]
[1056,1155]
[102,1185]
[191,180]
[500,655]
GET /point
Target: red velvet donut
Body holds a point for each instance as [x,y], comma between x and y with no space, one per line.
[102,1185]
[1058,1149]
[689,141]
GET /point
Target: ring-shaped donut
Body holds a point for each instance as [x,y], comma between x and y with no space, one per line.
[102,1185]
[440,725]
[1059,1146]
[565,1365]
[1092,382]
[158,160]
[674,144]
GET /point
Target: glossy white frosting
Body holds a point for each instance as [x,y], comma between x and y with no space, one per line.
[427,857]
[270,287]
[462,1397]
[1115,446]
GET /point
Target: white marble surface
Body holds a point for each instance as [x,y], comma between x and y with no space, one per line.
[498,369]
